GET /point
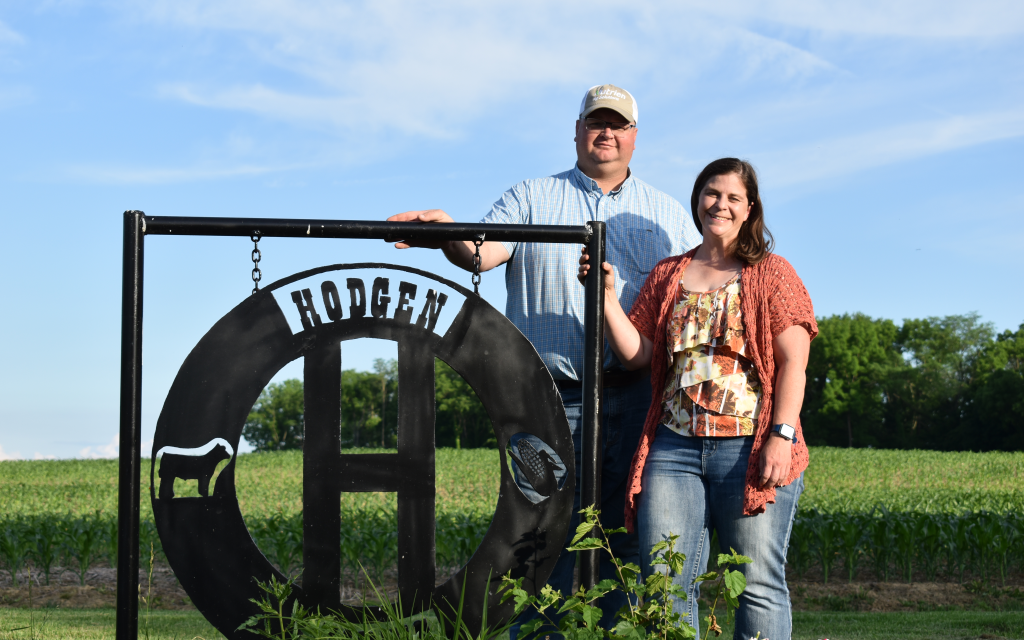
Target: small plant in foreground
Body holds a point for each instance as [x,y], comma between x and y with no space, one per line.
[283,620]
[148,598]
[648,612]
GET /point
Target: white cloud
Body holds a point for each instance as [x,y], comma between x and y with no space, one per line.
[108,450]
[984,19]
[15,96]
[9,35]
[163,175]
[427,70]
[39,456]
[335,111]
[9,456]
[786,61]
[359,69]
[831,157]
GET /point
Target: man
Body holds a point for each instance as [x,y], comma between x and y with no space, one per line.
[545,300]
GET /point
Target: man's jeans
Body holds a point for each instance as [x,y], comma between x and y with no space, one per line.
[625,409]
[692,486]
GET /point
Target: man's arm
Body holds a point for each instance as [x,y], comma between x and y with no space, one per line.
[459,252]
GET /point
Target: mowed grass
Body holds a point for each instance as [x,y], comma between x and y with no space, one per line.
[920,625]
[467,482]
[100,624]
[85,624]
[932,625]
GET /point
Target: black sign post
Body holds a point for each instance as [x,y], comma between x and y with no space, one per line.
[203,399]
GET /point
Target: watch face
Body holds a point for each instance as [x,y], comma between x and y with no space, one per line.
[786,431]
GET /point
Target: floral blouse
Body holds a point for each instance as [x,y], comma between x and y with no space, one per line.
[712,389]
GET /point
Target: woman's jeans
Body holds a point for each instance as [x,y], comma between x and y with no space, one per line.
[692,486]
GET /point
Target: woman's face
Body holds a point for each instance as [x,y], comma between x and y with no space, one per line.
[723,207]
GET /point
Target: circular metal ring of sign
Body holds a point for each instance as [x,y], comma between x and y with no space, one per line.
[308,315]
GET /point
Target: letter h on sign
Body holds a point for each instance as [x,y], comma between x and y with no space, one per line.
[410,473]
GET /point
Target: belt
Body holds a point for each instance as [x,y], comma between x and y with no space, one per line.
[610,379]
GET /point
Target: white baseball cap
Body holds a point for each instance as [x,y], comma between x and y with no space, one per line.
[608,96]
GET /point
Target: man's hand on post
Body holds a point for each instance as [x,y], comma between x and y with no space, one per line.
[460,253]
[425,215]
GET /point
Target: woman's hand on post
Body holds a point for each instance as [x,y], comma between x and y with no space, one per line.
[632,348]
[776,460]
[609,274]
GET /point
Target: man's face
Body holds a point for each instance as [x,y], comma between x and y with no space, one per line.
[595,148]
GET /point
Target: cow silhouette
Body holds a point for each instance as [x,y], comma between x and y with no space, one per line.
[538,467]
[190,467]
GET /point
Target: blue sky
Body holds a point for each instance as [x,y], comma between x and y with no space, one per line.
[889,136]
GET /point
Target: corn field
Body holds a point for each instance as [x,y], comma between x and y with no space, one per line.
[907,546]
[865,514]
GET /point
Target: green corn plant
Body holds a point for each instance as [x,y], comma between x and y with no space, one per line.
[906,544]
[460,535]
[928,532]
[380,546]
[110,538]
[799,552]
[82,543]
[281,535]
[882,536]
[1015,522]
[1004,538]
[825,540]
[851,540]
[14,546]
[348,547]
[947,532]
[959,544]
[149,537]
[295,534]
[984,534]
[45,544]
[446,541]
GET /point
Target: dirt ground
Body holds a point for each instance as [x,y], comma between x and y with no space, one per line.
[895,596]
[165,592]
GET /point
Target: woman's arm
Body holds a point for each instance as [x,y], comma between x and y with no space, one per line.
[631,347]
[791,348]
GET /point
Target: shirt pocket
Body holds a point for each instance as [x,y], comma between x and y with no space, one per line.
[637,250]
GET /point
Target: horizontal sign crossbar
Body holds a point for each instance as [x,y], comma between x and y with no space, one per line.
[365,229]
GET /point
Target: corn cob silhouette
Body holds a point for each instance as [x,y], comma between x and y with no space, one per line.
[538,467]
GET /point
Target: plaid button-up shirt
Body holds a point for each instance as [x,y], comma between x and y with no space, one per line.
[545,300]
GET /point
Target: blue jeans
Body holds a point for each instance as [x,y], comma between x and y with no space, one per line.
[624,411]
[692,486]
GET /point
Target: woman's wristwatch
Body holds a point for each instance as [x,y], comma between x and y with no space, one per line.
[785,431]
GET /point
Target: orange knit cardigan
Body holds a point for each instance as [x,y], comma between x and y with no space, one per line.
[773,298]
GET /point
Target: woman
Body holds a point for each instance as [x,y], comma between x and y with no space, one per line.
[726,330]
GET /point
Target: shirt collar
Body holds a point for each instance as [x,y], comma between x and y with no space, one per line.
[590,185]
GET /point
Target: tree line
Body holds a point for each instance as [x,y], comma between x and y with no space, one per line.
[369,411]
[949,383]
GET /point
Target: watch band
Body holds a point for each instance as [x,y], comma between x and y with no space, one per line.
[785,431]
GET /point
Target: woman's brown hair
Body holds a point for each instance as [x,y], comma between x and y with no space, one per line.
[755,241]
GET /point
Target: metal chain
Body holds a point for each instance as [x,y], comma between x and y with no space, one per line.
[257,275]
[476,264]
